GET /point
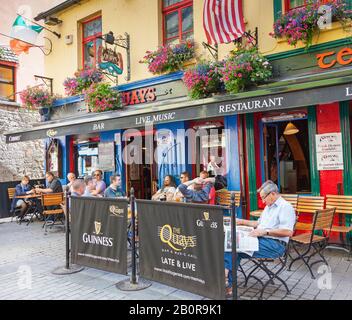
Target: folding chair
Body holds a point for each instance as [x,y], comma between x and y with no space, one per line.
[273,273]
[51,203]
[314,244]
[308,205]
[343,205]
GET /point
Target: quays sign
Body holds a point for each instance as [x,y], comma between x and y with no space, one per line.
[99,233]
[182,245]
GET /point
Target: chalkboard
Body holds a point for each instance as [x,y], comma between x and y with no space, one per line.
[106,152]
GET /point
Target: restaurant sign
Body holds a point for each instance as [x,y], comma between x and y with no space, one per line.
[110,61]
[329,151]
[329,59]
[183,112]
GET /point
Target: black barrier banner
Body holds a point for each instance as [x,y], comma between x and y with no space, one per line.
[182,245]
[99,233]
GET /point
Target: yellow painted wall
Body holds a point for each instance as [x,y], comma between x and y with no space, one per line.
[142,19]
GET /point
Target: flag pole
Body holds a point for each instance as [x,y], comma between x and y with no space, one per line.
[39,25]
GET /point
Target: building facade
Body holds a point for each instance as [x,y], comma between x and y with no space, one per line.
[276,131]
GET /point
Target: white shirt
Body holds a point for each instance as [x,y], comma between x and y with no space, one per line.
[280,215]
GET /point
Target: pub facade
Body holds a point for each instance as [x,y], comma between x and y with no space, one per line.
[294,130]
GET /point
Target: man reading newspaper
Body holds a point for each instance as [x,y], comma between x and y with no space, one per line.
[273,229]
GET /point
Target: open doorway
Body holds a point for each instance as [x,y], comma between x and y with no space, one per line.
[142,177]
[286,154]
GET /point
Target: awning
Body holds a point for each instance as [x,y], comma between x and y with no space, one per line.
[261,100]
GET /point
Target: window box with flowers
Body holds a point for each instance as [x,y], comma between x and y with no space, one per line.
[169,58]
[37,98]
[302,23]
[101,97]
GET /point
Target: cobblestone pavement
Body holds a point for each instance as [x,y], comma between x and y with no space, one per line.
[26,249]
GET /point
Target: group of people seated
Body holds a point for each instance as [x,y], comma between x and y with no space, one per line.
[95,186]
[199,190]
[25,189]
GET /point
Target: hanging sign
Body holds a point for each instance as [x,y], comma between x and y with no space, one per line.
[329,151]
[110,61]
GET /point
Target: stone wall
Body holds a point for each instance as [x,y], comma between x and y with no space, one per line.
[23,158]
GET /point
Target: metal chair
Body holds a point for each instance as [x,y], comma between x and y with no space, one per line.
[312,243]
[273,273]
[51,203]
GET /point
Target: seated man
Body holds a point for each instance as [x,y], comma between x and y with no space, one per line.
[167,191]
[212,195]
[114,190]
[88,180]
[273,229]
[53,185]
[22,189]
[178,196]
[71,177]
[200,194]
[99,184]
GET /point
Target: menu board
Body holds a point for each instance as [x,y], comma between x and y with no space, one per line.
[106,152]
[329,151]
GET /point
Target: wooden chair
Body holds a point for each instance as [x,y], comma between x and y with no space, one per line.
[308,204]
[51,203]
[343,206]
[11,194]
[291,198]
[312,243]
[228,198]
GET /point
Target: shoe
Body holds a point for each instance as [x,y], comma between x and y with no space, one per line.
[228,292]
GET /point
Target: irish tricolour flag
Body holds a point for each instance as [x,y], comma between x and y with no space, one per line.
[25,35]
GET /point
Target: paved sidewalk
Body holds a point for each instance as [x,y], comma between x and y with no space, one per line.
[28,251]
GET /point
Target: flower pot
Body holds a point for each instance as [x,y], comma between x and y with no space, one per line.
[44,114]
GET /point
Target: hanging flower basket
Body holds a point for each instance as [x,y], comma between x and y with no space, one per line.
[100,97]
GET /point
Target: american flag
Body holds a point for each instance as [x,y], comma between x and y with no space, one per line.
[223,20]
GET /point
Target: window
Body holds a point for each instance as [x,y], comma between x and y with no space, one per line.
[177,20]
[92,31]
[7,82]
[292,4]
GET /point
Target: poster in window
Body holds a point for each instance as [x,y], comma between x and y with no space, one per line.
[134,171]
[54,158]
[329,151]
[106,152]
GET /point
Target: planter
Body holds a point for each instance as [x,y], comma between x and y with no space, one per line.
[44,114]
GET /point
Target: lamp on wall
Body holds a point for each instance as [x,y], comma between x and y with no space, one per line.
[291,129]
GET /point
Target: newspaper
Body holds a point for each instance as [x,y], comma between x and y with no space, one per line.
[244,243]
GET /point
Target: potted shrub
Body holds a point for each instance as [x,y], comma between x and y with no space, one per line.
[243,69]
[203,80]
[169,58]
[37,98]
[101,97]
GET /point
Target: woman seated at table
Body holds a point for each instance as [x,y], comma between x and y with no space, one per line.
[99,184]
[166,193]
[22,189]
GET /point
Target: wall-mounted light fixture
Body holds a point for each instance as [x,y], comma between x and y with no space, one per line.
[52,21]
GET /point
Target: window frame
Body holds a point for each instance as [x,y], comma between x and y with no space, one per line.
[177,7]
[288,7]
[13,67]
[94,37]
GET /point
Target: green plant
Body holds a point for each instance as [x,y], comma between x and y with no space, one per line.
[202,80]
[101,97]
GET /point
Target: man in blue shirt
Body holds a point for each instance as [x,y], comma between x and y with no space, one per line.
[114,190]
[199,194]
[273,229]
[22,189]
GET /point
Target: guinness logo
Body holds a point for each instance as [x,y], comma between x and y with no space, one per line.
[97,226]
[116,211]
[51,133]
[206,216]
